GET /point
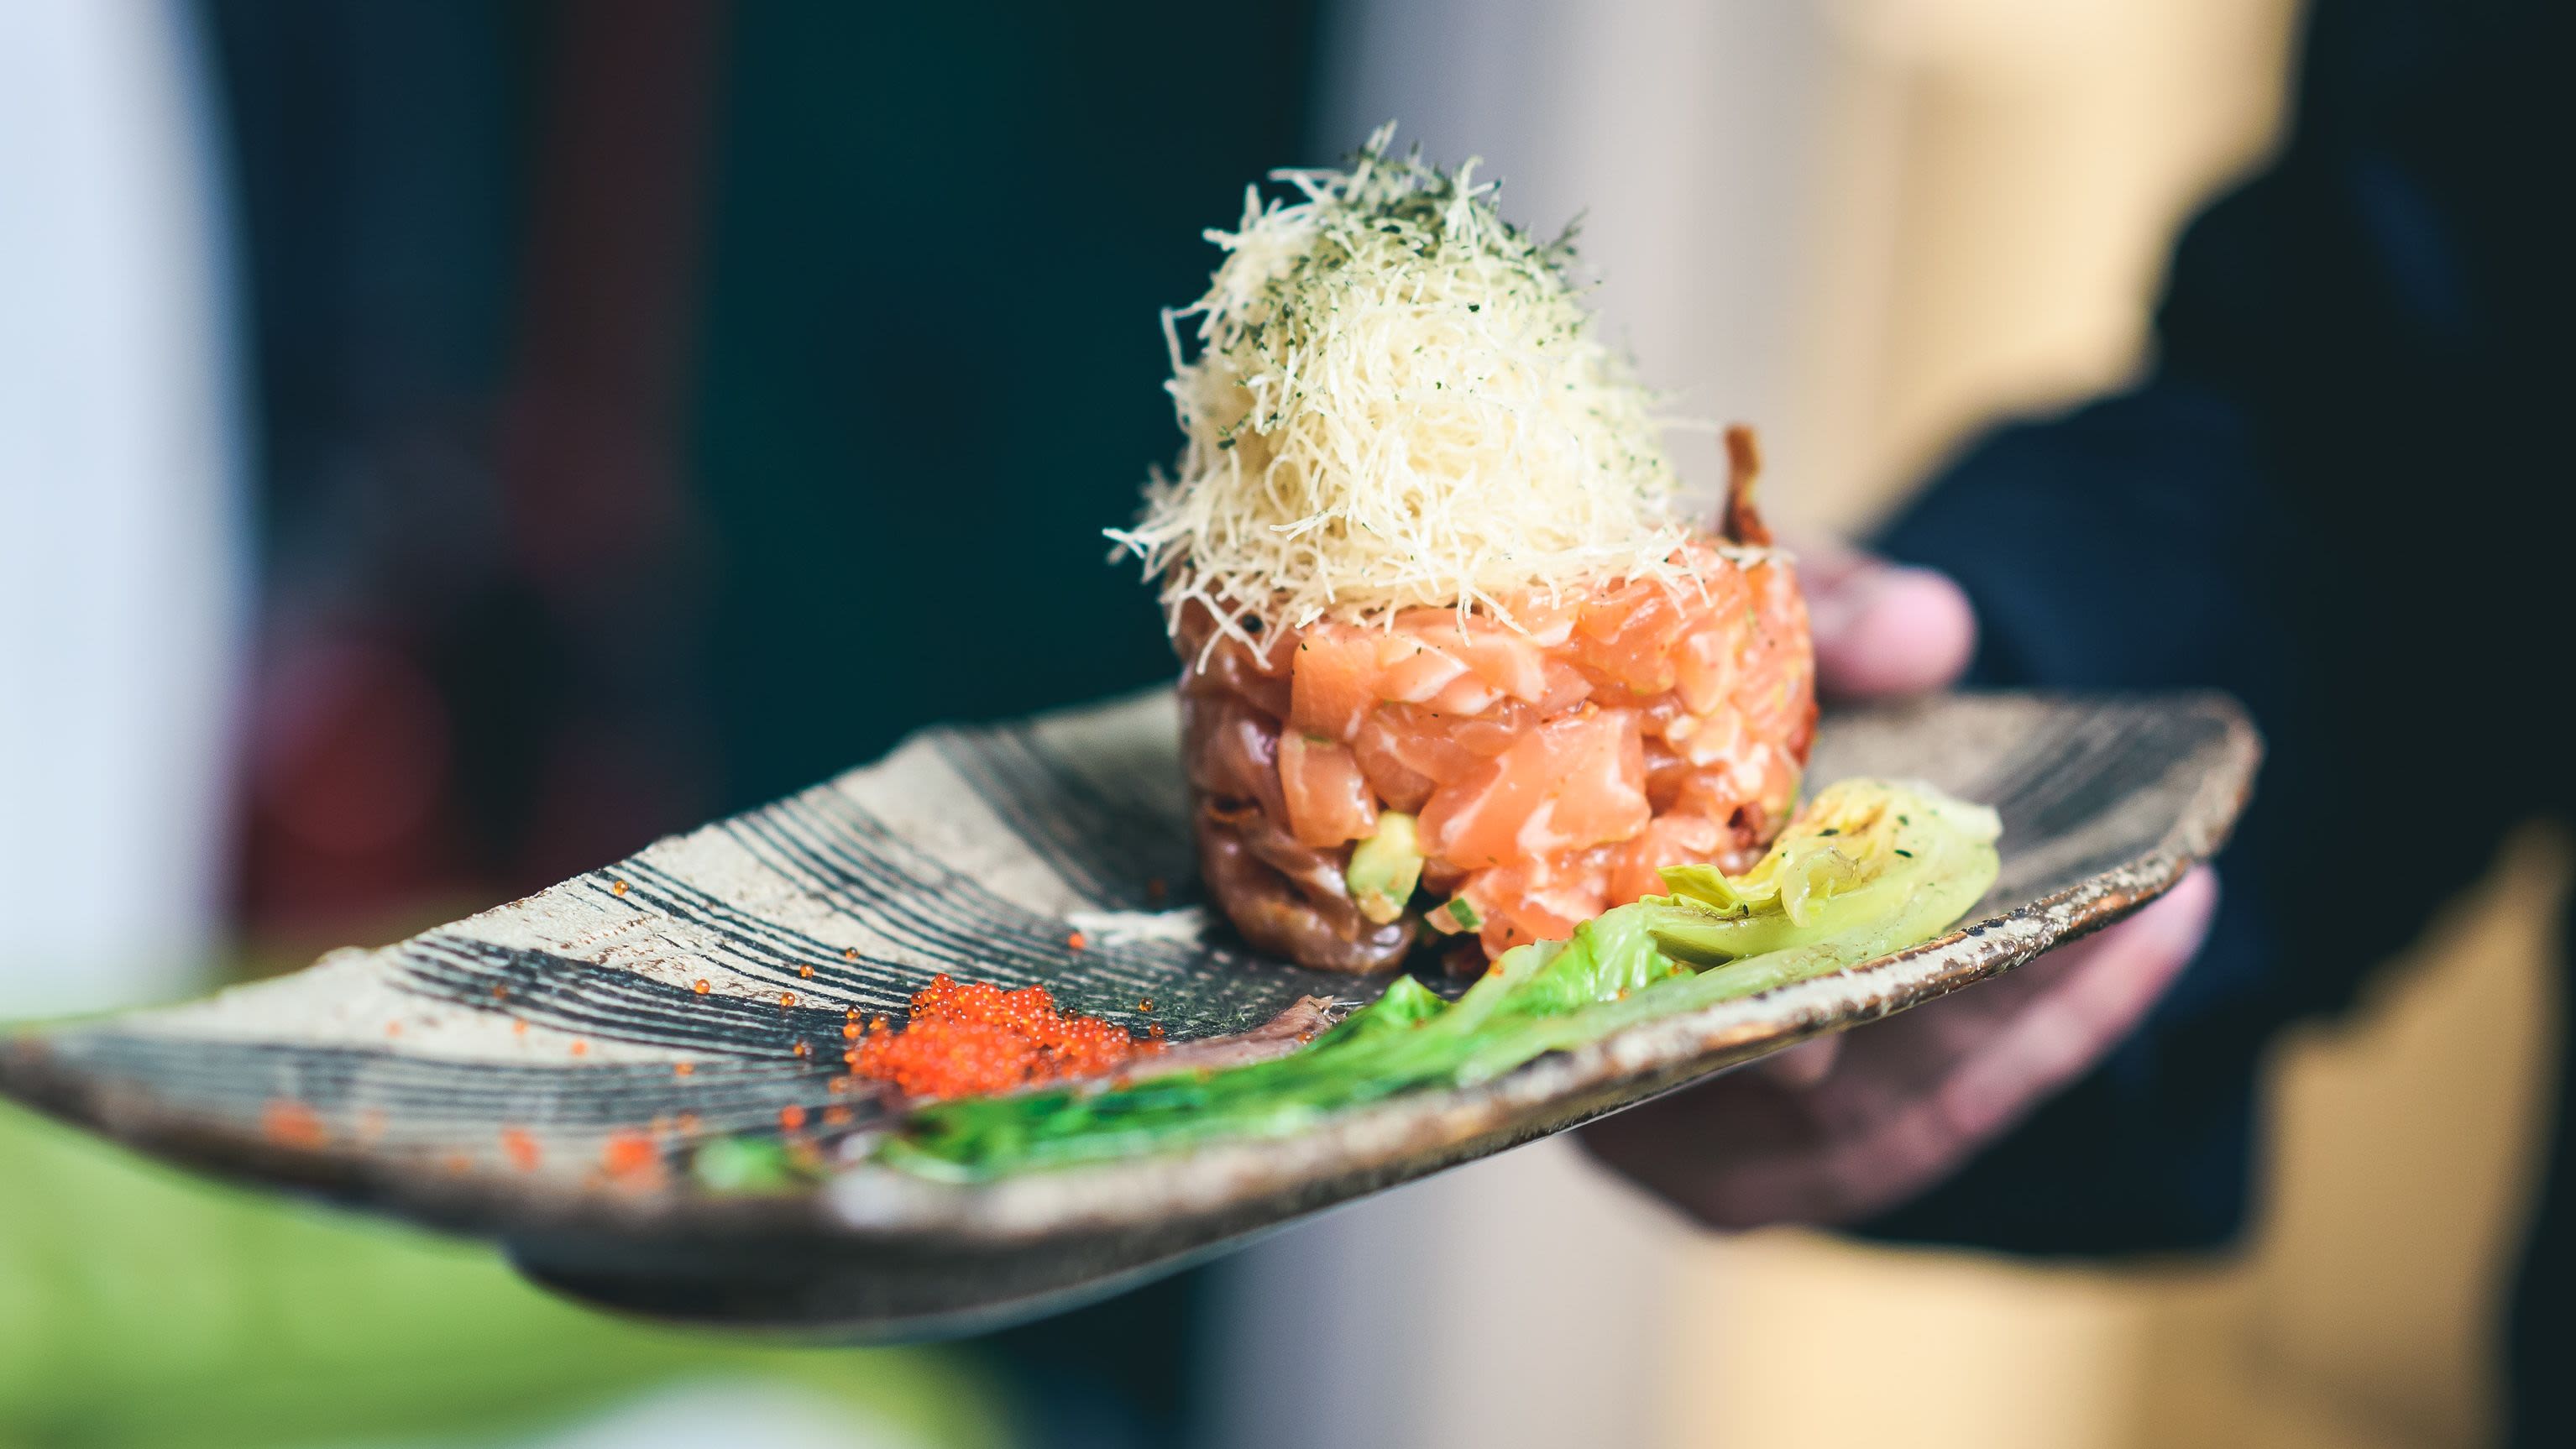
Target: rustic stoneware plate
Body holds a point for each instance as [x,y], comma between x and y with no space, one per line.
[546,1073]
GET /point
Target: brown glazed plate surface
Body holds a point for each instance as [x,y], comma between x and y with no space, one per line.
[540,1074]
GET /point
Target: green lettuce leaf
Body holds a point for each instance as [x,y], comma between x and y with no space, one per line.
[1867,868]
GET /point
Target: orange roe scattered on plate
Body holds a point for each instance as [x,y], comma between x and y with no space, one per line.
[627,1153]
[971,1038]
[521,1147]
[291,1124]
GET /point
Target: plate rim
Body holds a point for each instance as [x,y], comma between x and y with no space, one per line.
[864,1207]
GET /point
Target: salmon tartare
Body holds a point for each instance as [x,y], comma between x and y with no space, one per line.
[1455,672]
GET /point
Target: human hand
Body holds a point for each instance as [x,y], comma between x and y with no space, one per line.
[1846,1126]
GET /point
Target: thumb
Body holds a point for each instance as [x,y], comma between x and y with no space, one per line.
[1882,629]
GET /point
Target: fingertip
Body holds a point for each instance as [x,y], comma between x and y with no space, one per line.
[1804,1065]
[2186,909]
[1893,630]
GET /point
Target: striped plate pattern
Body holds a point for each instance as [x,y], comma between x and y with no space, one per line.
[543,1072]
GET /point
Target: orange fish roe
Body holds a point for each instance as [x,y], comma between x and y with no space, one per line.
[292,1124]
[970,1038]
[521,1147]
[627,1153]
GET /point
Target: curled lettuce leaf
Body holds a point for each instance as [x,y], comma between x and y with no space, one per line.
[1890,860]
[1868,867]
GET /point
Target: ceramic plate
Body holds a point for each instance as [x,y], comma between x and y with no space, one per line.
[543,1073]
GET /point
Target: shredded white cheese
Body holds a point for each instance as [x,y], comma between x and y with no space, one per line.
[1397,399]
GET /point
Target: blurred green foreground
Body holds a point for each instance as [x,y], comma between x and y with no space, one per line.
[139,1306]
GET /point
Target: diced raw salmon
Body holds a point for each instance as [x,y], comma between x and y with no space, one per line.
[1566,688]
[1332,680]
[1538,898]
[1464,697]
[1775,685]
[1665,772]
[1707,657]
[1423,742]
[1571,782]
[1492,732]
[1668,840]
[1555,767]
[1628,636]
[1328,799]
[1509,663]
[1396,782]
[1414,672]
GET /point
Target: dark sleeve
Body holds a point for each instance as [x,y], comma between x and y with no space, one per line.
[2263,515]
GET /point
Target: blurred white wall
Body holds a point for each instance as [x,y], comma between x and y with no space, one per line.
[122,572]
[1517,1301]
